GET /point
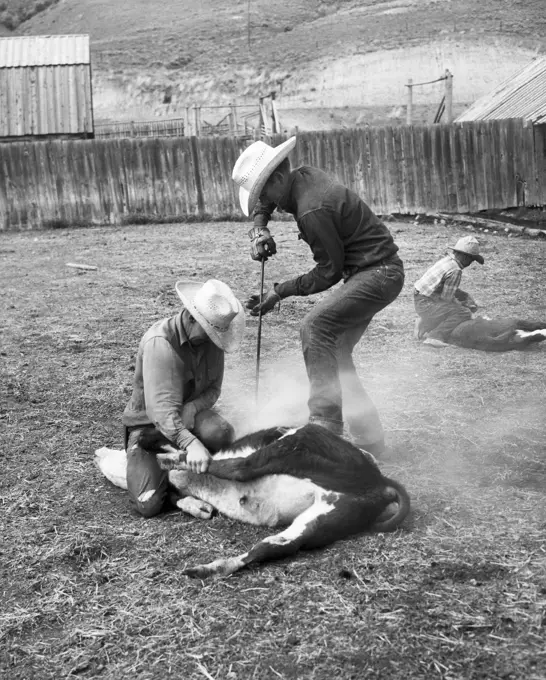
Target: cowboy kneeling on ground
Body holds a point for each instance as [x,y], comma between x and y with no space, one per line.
[439,302]
[178,378]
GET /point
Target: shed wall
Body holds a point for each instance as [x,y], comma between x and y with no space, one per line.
[45,100]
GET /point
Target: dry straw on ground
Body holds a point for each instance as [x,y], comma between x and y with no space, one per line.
[90,590]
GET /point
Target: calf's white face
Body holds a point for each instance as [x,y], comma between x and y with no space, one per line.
[272,500]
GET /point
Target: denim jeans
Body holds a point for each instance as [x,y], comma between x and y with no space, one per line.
[329,334]
[439,317]
[147,483]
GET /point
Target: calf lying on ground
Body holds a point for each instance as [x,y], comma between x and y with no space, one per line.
[317,484]
[498,335]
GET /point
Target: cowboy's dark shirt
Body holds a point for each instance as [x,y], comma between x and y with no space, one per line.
[169,373]
[344,235]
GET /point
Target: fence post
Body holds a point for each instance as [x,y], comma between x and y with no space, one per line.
[409,108]
[234,122]
[449,96]
[197,175]
[187,123]
[195,120]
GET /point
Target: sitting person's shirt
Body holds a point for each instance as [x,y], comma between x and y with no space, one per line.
[442,280]
[169,372]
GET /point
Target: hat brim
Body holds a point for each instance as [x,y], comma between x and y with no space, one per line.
[248,199]
[228,340]
[478,258]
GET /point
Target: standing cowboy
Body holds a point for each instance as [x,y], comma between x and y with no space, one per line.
[178,378]
[439,302]
[348,242]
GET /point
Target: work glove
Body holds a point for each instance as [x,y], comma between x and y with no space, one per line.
[262,244]
[269,300]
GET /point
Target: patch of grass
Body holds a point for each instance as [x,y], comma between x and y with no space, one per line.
[91,590]
[150,218]
[61,223]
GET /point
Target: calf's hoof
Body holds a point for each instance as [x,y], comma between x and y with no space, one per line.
[195,507]
[199,571]
[434,342]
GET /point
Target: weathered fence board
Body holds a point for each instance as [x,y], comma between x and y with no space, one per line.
[540,159]
[464,167]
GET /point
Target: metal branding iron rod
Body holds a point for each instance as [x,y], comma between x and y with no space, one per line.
[259,344]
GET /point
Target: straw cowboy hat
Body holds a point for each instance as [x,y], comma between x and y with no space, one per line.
[214,306]
[254,167]
[468,245]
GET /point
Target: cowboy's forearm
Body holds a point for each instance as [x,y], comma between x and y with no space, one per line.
[306,284]
[169,422]
[164,390]
[262,213]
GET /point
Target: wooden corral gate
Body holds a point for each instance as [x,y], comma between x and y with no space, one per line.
[170,127]
[462,167]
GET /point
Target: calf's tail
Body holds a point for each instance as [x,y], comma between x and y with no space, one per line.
[395,493]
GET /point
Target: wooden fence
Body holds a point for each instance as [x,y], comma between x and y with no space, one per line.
[463,167]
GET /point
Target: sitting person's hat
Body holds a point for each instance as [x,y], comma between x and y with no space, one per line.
[254,167]
[214,306]
[468,245]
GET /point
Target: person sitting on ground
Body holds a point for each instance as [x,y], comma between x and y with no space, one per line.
[439,302]
[348,242]
[178,378]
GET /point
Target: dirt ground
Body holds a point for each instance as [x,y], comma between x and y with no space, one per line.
[91,590]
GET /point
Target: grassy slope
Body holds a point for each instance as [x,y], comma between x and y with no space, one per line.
[286,35]
[199,52]
[89,588]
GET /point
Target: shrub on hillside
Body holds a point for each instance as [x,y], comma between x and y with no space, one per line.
[180,61]
[9,20]
[15,12]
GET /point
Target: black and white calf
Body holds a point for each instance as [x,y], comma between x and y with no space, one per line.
[316,484]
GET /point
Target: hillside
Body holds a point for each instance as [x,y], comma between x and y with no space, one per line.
[346,53]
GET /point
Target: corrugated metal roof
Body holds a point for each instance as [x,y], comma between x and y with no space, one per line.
[521,96]
[44,50]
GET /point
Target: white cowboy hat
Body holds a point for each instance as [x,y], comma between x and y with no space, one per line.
[214,306]
[470,246]
[254,167]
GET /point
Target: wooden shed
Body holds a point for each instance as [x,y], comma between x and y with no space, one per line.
[522,96]
[45,88]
